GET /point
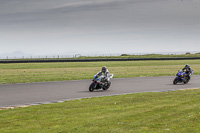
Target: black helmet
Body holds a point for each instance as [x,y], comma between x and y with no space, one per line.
[104,69]
[187,66]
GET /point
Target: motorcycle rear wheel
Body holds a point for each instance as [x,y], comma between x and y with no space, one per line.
[187,81]
[107,87]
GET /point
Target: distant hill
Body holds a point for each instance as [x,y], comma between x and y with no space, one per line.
[15,54]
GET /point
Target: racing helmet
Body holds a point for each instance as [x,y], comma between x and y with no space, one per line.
[104,69]
[187,66]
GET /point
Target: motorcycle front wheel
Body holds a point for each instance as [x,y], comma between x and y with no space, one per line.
[91,88]
[175,81]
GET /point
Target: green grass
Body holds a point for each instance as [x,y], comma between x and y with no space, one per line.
[163,112]
[124,56]
[144,56]
[42,72]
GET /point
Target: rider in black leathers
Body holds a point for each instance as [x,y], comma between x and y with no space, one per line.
[104,71]
[188,70]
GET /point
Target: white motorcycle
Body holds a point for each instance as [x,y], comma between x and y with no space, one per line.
[101,82]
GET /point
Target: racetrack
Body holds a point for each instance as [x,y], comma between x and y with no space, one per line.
[50,92]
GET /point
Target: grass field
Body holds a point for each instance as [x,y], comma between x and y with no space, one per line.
[144,56]
[173,112]
[124,56]
[163,112]
[42,72]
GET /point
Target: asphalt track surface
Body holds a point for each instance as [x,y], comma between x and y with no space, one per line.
[52,92]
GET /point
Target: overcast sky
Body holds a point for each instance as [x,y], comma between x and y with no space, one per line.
[103,26]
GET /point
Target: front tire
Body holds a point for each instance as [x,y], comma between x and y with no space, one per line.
[175,81]
[91,88]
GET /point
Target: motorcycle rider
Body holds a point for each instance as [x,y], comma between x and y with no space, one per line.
[104,71]
[188,70]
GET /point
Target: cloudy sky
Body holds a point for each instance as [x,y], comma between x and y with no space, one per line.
[102,26]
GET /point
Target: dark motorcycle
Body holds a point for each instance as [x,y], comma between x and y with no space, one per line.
[100,83]
[181,78]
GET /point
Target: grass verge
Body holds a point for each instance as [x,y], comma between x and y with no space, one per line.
[42,72]
[122,56]
[163,112]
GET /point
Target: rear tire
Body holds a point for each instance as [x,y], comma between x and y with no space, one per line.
[91,88]
[187,81]
[107,87]
[175,81]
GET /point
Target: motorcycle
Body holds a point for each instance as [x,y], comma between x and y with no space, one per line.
[101,82]
[181,78]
